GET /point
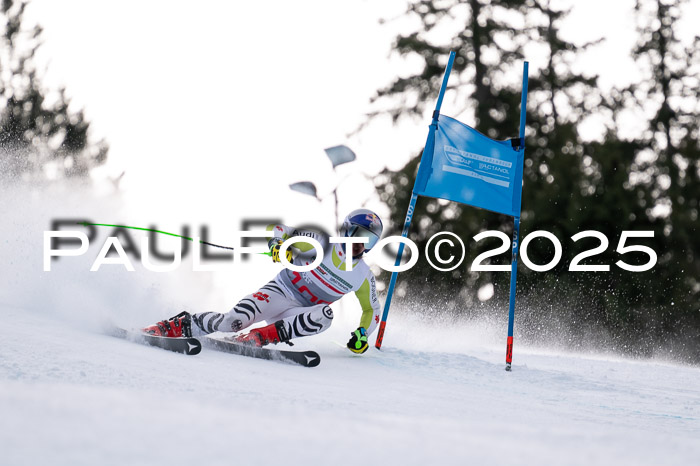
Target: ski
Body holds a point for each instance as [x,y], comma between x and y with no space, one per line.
[189,346]
[304,358]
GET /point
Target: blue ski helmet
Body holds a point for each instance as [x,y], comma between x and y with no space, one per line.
[363,223]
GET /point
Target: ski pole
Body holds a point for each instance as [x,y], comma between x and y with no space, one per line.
[164,233]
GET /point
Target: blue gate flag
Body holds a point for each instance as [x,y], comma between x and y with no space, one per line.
[463,165]
[460,164]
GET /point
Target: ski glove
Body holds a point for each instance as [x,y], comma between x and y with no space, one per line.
[358,341]
[274,245]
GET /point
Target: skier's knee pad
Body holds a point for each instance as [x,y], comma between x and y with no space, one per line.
[327,312]
[323,316]
[230,323]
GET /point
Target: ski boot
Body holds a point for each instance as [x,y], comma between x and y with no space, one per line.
[273,333]
[175,327]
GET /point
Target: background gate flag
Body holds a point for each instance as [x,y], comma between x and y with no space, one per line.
[460,164]
[471,168]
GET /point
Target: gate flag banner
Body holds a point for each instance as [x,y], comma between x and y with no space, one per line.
[460,164]
[465,166]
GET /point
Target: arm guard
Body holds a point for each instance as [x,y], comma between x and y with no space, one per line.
[367,295]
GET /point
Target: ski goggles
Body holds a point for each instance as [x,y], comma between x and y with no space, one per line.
[357,231]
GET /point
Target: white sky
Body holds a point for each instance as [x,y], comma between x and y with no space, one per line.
[213,102]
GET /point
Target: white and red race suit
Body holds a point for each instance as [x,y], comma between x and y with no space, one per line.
[301,299]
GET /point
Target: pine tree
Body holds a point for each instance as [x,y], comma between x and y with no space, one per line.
[665,172]
[40,136]
[570,185]
[489,55]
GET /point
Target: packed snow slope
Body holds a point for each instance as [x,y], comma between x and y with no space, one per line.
[72,396]
[436,394]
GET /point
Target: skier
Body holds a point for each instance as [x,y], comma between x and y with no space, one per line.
[298,303]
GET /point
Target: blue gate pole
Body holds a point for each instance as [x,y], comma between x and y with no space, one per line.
[412,204]
[513,279]
[392,283]
[516,229]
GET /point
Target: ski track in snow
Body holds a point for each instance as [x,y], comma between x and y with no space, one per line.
[71,396]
